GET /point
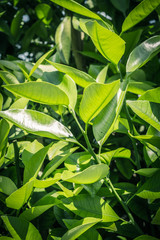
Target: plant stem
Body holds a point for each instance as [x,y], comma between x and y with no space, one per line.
[16,155]
[123,204]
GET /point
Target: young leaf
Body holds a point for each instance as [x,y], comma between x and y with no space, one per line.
[63,39]
[102,75]
[18,198]
[8,78]
[147,172]
[143,53]
[90,175]
[146,110]
[139,13]
[21,229]
[38,123]
[96,96]
[111,46]
[81,78]
[83,226]
[41,92]
[7,186]
[77,8]
[152,95]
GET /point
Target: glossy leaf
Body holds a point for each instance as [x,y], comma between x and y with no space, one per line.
[41,92]
[108,43]
[96,96]
[90,175]
[139,13]
[81,78]
[18,198]
[83,226]
[84,205]
[63,39]
[152,95]
[143,53]
[156,219]
[76,7]
[103,124]
[37,123]
[7,186]
[146,110]
[21,229]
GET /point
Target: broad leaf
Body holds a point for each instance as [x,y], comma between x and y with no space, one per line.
[156,219]
[152,95]
[44,12]
[21,229]
[108,43]
[148,111]
[38,123]
[18,198]
[147,172]
[47,182]
[122,5]
[83,226]
[96,96]
[143,53]
[81,78]
[76,7]
[41,92]
[145,237]
[102,75]
[63,39]
[139,13]
[7,186]
[90,175]
[8,77]
[84,205]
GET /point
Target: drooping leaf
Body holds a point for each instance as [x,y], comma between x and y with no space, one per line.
[96,96]
[21,229]
[152,95]
[146,110]
[143,53]
[84,205]
[90,175]
[63,39]
[41,92]
[7,186]
[83,226]
[38,123]
[108,43]
[18,198]
[139,13]
[81,78]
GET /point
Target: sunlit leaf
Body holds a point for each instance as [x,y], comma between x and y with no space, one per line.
[7,186]
[152,95]
[44,12]
[156,219]
[147,172]
[8,78]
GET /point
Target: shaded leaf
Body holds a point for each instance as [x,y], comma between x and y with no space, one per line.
[16,23]
[7,186]
[145,237]
[8,77]
[147,172]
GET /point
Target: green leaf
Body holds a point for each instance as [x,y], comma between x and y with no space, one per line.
[8,78]
[145,237]
[4,130]
[84,205]
[139,13]
[38,123]
[7,186]
[77,8]
[125,167]
[1,101]
[152,95]
[111,46]
[18,198]
[122,5]
[146,110]
[102,75]
[41,92]
[81,78]
[34,164]
[143,53]
[90,175]
[96,96]
[83,226]
[6,238]
[147,172]
[44,12]
[16,24]
[103,124]
[156,219]
[63,39]
[47,182]
[91,234]
[21,229]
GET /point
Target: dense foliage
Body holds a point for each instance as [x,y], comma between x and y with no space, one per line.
[80,120]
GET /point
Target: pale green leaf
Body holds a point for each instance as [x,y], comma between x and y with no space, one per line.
[152,95]
[143,53]
[102,75]
[7,186]
[38,123]
[8,77]
[47,182]
[147,172]
[156,219]
[41,92]
[139,13]
[146,110]
[90,175]
[21,229]
[81,78]
[96,96]
[6,238]
[18,198]
[108,43]
[83,226]
[63,39]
